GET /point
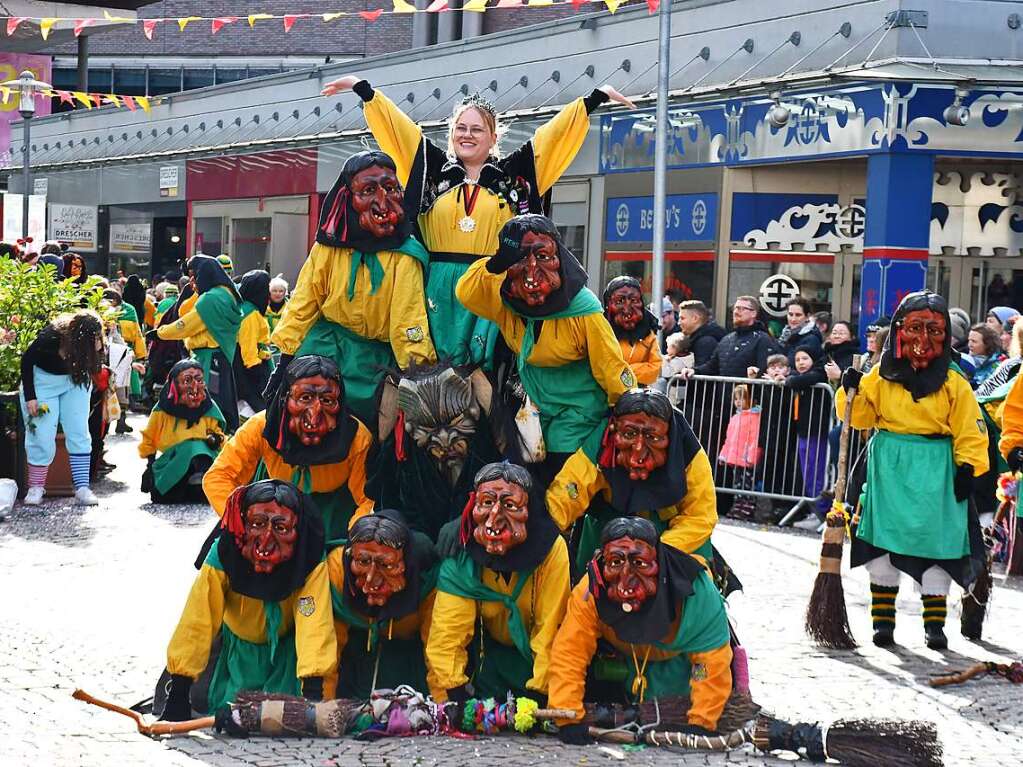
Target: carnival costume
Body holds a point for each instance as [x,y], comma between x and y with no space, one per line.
[252,365]
[634,327]
[131,331]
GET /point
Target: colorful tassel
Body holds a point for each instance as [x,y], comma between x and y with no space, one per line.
[465,528]
[607,447]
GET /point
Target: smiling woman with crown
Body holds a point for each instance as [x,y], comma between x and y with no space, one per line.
[469,191]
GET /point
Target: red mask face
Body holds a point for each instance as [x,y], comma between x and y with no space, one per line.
[500,515]
[379,571]
[76,267]
[537,274]
[191,387]
[313,405]
[625,306]
[641,443]
[270,535]
[921,337]
[377,197]
[630,571]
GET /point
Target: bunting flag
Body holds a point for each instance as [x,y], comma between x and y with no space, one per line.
[45,25]
[90,100]
[81,24]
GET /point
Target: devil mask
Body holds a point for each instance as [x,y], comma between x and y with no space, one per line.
[917,351]
[184,395]
[623,307]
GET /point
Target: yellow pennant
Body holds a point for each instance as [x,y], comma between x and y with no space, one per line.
[332,16]
[84,99]
[401,6]
[540,3]
[184,22]
[612,5]
[254,17]
[45,25]
[143,102]
[5,94]
[112,99]
[118,19]
[479,6]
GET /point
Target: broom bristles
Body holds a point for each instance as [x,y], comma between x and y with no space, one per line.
[874,742]
[827,620]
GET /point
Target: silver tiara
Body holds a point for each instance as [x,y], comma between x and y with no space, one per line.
[481,102]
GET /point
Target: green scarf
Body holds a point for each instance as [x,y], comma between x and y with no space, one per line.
[271,610]
[344,613]
[410,247]
[222,316]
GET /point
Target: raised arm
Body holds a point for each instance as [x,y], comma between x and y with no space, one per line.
[236,464]
[186,326]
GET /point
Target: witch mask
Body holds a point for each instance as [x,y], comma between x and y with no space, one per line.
[269,535]
[537,274]
[625,307]
[629,568]
[377,197]
[640,443]
[501,510]
[190,387]
[378,570]
[313,407]
[921,337]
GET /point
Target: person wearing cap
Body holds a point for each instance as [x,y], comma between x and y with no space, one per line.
[226,264]
[170,297]
[669,320]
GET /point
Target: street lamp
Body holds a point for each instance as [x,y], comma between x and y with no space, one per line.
[27,87]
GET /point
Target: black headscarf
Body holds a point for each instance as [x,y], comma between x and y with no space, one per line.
[647,323]
[676,574]
[339,223]
[134,293]
[169,398]
[255,288]
[56,262]
[209,274]
[898,369]
[288,576]
[69,259]
[417,561]
[335,445]
[540,533]
[666,485]
[573,276]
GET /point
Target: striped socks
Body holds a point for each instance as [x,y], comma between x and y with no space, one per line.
[37,475]
[80,469]
[882,606]
[934,610]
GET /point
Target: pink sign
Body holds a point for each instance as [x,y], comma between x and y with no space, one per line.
[12,65]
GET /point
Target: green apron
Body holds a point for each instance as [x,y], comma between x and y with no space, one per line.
[457,333]
[222,317]
[902,469]
[335,506]
[572,405]
[170,467]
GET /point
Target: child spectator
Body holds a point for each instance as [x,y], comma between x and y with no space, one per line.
[811,410]
[778,439]
[741,452]
[676,359]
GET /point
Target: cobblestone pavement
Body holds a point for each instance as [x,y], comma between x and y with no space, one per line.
[90,597]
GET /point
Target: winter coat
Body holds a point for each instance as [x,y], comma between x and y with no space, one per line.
[740,349]
[807,337]
[842,354]
[811,408]
[705,340]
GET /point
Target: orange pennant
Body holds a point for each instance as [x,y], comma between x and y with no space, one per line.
[82,24]
[129,102]
[222,21]
[371,15]
[12,24]
[653,5]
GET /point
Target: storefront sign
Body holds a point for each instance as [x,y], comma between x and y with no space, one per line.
[169,181]
[36,218]
[131,238]
[688,217]
[775,293]
[40,186]
[74,224]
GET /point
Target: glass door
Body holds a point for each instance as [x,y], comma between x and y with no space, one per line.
[993,282]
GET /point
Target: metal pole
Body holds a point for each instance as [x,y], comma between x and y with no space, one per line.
[83,63]
[661,157]
[26,175]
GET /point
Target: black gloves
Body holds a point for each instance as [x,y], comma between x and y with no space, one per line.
[178,708]
[312,688]
[1015,459]
[460,694]
[363,90]
[276,378]
[595,99]
[695,729]
[575,734]
[147,476]
[963,483]
[448,542]
[851,379]
[224,722]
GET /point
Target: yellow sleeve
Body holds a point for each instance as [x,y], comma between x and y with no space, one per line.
[451,629]
[606,361]
[236,464]
[1012,419]
[189,649]
[425,622]
[969,432]
[315,642]
[709,692]
[139,342]
[409,329]
[864,409]
[188,304]
[357,474]
[305,306]
[263,338]
[248,339]
[336,574]
[557,142]
[569,495]
[648,369]
[150,317]
[551,588]
[693,525]
[479,291]
[394,131]
[572,652]
[151,434]
[187,325]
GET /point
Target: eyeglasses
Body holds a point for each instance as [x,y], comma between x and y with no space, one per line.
[745,308]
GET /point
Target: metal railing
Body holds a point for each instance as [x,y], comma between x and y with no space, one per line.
[767,440]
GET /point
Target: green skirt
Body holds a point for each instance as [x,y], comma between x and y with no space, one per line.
[401,662]
[244,665]
[573,407]
[172,465]
[458,335]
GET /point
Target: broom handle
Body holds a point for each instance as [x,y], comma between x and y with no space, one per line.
[613,736]
[82,695]
[959,677]
[160,728]
[555,713]
[843,446]
[177,728]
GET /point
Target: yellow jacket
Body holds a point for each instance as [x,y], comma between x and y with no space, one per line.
[404,628]
[542,604]
[254,339]
[644,358]
[190,328]
[690,522]
[150,318]
[240,456]
[561,341]
[576,643]
[555,145]
[1011,419]
[132,335]
[163,431]
[395,314]
[211,603]
[952,411]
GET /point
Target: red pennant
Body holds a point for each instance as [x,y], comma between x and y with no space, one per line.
[371,15]
[97,98]
[577,4]
[82,24]
[12,24]
[289,22]
[66,97]
[148,27]
[653,5]
[222,21]
[130,103]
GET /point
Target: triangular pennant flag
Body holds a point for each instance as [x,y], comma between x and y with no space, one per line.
[508,4]
[401,6]
[577,4]
[118,19]
[477,6]
[332,16]
[112,98]
[612,5]
[183,22]
[289,21]
[254,17]
[143,102]
[81,24]
[84,99]
[148,27]
[539,3]
[12,24]
[129,102]
[45,25]
[437,6]
[97,98]
[65,97]
[371,15]
[222,21]
[653,5]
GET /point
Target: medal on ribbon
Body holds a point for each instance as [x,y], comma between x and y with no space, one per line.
[467,223]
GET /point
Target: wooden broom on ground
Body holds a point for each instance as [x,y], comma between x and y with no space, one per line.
[827,621]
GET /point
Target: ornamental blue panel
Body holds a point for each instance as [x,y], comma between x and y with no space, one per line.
[689,217]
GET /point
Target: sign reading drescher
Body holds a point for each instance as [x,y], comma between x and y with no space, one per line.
[131,238]
[76,225]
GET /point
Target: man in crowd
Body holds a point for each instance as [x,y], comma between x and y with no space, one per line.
[748,345]
[702,333]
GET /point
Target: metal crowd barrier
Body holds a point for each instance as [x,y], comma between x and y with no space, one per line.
[763,452]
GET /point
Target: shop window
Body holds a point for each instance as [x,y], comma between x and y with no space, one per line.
[198,78]
[209,238]
[162,81]
[690,274]
[250,244]
[815,280]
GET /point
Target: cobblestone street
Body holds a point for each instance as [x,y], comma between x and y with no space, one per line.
[91,596]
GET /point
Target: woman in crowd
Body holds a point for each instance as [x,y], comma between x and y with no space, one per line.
[278,299]
[56,381]
[985,352]
[75,268]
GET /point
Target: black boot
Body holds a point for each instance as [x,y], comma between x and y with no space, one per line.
[882,613]
[934,621]
[122,424]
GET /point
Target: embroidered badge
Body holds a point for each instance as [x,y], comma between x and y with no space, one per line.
[415,334]
[699,672]
[981,426]
[179,324]
[628,379]
[306,606]
[573,490]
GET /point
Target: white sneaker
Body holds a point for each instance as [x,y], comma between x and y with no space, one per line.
[34,496]
[810,523]
[85,497]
